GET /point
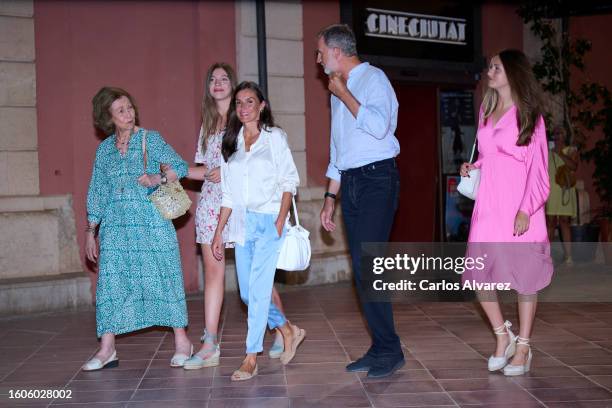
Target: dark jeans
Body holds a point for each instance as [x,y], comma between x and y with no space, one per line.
[369,200]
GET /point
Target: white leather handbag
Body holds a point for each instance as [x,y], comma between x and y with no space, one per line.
[468,186]
[295,252]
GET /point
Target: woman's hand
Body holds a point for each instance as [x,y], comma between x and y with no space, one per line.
[171,175]
[194,173]
[217,247]
[464,171]
[149,180]
[214,175]
[279,224]
[521,223]
[91,247]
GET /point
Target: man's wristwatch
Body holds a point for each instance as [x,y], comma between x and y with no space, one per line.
[330,195]
[163,179]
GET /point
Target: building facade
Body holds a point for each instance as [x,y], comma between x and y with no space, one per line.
[54,56]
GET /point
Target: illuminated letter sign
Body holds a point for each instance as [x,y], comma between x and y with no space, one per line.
[415,27]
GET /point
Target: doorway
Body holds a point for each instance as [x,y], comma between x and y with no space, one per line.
[416,219]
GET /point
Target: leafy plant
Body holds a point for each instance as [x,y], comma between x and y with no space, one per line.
[587,108]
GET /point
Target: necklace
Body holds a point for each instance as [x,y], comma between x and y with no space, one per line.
[124,143]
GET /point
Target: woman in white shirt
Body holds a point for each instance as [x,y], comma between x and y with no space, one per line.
[219,87]
[258,183]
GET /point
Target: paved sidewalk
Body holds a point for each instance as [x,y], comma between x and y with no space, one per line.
[446,346]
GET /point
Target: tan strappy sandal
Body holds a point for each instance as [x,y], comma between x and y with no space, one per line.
[240,375]
[298,338]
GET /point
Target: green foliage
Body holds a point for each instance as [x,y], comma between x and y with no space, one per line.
[588,107]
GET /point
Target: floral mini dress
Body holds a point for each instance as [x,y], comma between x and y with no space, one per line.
[209,202]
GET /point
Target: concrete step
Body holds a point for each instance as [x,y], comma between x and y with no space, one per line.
[45,293]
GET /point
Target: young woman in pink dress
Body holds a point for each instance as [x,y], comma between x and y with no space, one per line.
[220,83]
[508,221]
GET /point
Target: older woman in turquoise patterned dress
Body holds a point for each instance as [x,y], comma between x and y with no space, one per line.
[140,281]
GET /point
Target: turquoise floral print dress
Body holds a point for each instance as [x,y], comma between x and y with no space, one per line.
[140,281]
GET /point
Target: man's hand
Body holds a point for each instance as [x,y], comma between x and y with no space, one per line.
[337,84]
[327,215]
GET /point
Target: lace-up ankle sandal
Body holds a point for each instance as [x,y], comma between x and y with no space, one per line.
[512,370]
[207,356]
[497,363]
[277,347]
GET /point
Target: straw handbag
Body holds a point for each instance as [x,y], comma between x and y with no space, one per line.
[170,199]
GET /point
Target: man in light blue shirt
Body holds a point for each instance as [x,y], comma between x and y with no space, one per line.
[362,164]
[364,134]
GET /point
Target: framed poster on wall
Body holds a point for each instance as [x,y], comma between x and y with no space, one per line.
[457,212]
[457,135]
[457,128]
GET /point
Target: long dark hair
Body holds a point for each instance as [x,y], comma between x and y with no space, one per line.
[266,121]
[211,119]
[526,93]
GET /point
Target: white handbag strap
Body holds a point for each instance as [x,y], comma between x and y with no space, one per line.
[473,148]
[295,213]
[297,218]
[476,136]
[144,151]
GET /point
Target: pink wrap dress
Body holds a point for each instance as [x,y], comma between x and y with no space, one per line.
[512,178]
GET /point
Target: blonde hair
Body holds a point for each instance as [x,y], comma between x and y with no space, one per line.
[526,93]
[211,118]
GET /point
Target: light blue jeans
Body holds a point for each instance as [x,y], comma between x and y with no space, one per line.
[256,266]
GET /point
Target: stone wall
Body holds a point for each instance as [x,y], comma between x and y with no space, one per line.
[285,58]
[18,138]
[40,269]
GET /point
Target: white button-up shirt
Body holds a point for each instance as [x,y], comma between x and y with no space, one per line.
[369,137]
[256,180]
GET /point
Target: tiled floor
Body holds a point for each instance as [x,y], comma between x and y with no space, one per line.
[446,349]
